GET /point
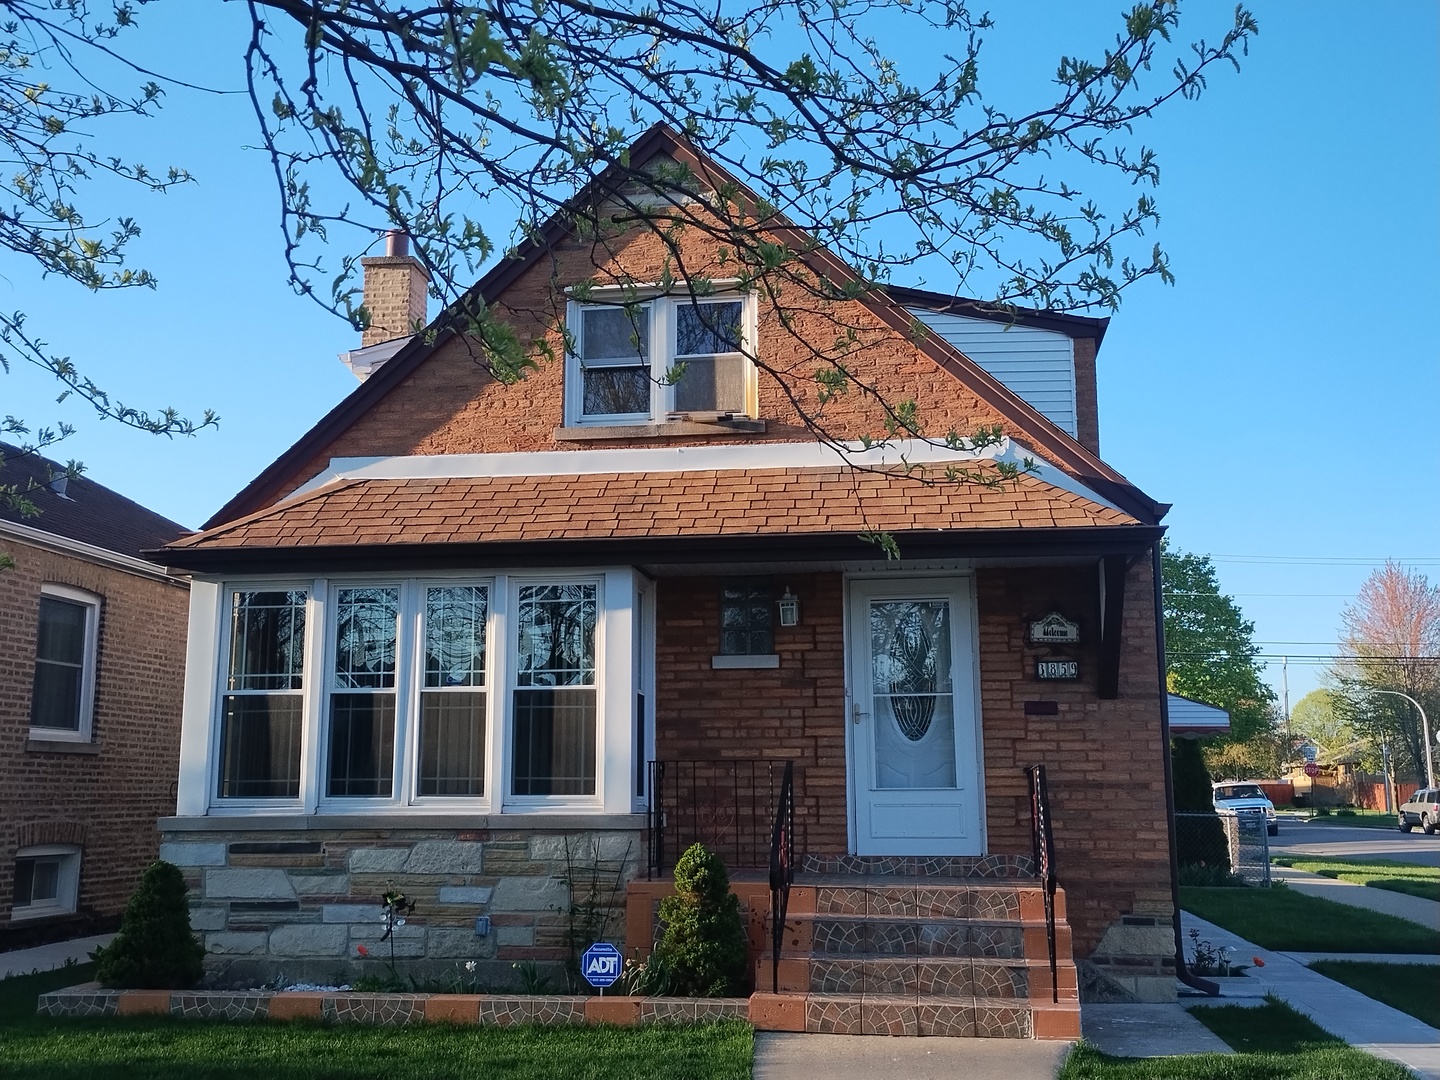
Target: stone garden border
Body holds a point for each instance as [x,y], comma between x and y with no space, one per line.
[93,1000]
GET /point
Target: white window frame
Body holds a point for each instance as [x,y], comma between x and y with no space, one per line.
[91,602]
[660,309]
[67,889]
[617,681]
[314,617]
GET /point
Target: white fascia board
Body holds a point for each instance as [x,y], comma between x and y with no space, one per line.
[363,362]
[116,560]
[749,457]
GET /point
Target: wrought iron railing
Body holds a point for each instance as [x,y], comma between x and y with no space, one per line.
[782,869]
[724,804]
[1044,842]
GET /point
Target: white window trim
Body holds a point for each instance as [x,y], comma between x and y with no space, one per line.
[84,733]
[660,308]
[616,686]
[67,890]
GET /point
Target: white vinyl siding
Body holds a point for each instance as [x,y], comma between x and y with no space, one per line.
[1037,365]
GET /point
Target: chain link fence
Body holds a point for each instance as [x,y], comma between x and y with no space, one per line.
[1215,849]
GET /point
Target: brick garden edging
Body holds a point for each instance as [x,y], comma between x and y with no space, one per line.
[93,1000]
[766,1012]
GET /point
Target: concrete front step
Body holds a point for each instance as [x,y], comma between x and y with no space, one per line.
[914,936]
[904,1014]
[958,977]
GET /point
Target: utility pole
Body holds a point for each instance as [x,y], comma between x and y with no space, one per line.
[1285,704]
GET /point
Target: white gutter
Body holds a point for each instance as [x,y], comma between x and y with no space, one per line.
[63,545]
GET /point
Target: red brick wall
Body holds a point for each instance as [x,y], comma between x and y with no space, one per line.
[450,406]
[108,802]
[1104,758]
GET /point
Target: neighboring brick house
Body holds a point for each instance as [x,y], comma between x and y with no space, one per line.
[478,640]
[90,695]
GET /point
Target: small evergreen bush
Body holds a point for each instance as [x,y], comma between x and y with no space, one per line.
[1199,841]
[155,949]
[703,945]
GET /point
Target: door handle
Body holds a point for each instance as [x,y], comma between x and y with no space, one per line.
[856,712]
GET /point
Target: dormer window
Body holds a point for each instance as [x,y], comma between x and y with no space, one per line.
[660,358]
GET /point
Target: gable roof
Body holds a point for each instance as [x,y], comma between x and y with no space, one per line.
[1050,442]
[87,512]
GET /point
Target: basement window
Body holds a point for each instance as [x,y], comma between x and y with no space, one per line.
[47,880]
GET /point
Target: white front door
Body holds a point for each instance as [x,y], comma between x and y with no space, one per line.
[915,767]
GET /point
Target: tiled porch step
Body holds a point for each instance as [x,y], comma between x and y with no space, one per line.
[965,866]
[919,936]
[888,1014]
[957,977]
[928,898]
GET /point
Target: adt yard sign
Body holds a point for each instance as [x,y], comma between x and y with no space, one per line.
[600,964]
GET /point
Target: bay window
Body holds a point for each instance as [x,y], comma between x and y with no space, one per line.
[653,358]
[404,711]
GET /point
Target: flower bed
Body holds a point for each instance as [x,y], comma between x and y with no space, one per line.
[92,1000]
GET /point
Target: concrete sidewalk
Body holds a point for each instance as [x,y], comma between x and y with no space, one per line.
[50,957]
[1148,1031]
[786,1056]
[1414,908]
[1361,1021]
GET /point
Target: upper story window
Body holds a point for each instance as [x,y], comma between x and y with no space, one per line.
[659,358]
[62,699]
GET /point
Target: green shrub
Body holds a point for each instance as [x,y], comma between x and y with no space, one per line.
[1199,841]
[703,944]
[155,949]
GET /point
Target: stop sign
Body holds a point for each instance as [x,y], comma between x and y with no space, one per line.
[1311,769]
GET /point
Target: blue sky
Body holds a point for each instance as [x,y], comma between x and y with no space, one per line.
[1282,394]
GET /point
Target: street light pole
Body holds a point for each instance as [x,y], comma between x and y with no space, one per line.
[1424,729]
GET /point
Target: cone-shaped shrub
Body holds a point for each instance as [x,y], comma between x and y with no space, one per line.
[703,944]
[1199,841]
[154,949]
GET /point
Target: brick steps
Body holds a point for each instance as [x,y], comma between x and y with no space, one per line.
[884,953]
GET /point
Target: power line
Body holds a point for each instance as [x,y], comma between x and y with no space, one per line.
[1325,560]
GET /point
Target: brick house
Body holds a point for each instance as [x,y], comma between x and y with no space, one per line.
[89,701]
[488,643]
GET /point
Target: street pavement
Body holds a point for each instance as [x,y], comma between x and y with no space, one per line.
[1299,837]
[1361,1021]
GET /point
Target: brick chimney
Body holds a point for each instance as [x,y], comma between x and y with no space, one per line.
[395,285]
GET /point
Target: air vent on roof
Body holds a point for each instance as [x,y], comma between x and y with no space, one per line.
[59,482]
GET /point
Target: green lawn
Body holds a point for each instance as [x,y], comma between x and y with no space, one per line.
[1422,881]
[1364,819]
[1411,988]
[32,1048]
[1281,918]
[1273,1042]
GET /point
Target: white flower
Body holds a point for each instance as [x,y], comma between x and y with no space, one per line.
[470,965]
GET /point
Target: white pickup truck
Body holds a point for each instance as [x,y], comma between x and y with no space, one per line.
[1246,800]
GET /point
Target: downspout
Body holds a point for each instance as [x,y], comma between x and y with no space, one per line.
[1181,971]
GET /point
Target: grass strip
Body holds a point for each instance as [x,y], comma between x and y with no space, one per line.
[1411,988]
[1401,877]
[1273,1042]
[37,1048]
[1280,918]
[1362,819]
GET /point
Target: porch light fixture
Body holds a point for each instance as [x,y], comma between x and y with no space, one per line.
[789,606]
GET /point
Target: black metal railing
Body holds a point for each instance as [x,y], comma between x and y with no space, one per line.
[723,804]
[1044,842]
[782,869]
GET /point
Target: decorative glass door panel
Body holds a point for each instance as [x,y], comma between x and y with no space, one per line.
[915,775]
[912,692]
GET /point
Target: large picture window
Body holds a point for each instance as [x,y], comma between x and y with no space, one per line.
[645,361]
[362,694]
[452,695]
[63,690]
[261,709]
[553,745]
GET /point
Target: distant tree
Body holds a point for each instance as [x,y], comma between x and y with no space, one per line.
[1318,717]
[1391,641]
[1210,654]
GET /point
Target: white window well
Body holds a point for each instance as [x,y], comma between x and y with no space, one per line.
[47,880]
[62,700]
[653,358]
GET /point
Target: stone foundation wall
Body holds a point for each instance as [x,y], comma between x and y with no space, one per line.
[299,905]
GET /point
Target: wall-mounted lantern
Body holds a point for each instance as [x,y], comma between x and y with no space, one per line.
[789,605]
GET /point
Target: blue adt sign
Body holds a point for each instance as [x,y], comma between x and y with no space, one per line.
[601,964]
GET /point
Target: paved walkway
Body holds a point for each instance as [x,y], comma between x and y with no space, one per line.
[785,1056]
[50,957]
[1414,908]
[1148,1031]
[1359,1020]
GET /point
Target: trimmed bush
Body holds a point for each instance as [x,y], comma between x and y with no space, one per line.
[155,949]
[703,945]
[1199,841]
